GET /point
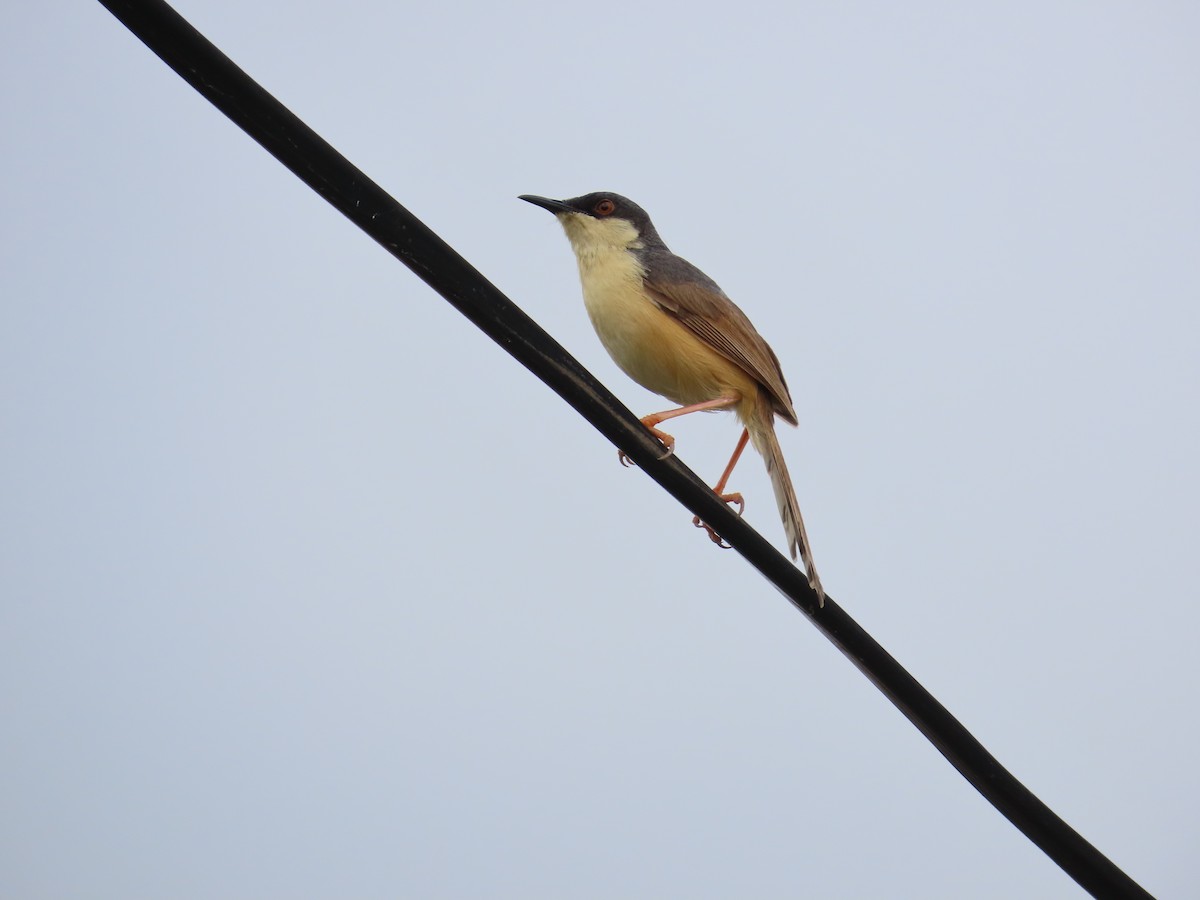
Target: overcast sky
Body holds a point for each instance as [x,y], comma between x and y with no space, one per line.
[309,590]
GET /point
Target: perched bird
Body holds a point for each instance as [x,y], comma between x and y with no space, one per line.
[673,331]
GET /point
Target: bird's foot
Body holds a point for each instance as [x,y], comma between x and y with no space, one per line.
[712,534]
[665,439]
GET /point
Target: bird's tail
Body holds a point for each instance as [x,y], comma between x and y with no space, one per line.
[761,425]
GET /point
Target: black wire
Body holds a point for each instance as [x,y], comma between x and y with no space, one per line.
[327,172]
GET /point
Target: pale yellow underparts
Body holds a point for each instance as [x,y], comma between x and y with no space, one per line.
[651,346]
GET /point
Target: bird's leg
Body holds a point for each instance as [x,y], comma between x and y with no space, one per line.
[733,460]
[719,490]
[667,441]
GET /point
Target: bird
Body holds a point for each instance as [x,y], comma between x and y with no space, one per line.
[671,329]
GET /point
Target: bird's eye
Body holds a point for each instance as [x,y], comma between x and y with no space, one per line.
[605,208]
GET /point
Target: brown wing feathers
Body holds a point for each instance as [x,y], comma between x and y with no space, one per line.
[716,320]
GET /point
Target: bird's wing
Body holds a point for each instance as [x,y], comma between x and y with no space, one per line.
[717,321]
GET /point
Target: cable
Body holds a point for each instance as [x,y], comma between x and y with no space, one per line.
[369,207]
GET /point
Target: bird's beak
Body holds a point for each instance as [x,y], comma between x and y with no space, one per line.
[555,206]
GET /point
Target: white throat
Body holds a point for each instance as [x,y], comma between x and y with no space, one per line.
[593,238]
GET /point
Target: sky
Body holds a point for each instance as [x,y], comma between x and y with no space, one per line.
[309,590]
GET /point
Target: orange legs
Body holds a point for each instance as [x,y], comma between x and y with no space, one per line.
[667,441]
[720,488]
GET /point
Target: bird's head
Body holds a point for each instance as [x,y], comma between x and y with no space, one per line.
[600,222]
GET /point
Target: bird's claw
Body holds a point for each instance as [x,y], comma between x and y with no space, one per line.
[665,439]
[712,534]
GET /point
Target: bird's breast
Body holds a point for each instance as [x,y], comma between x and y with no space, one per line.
[651,346]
